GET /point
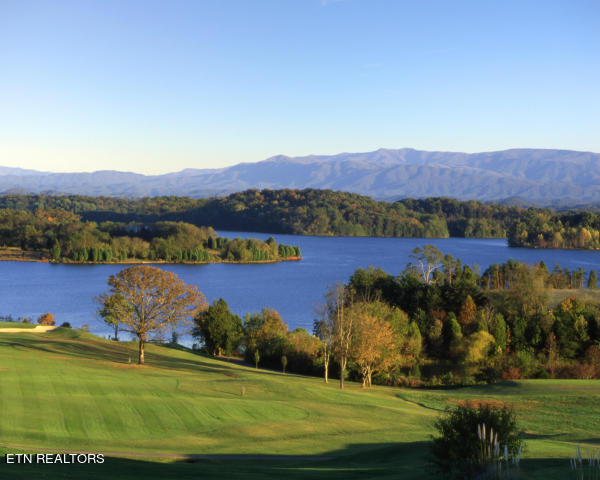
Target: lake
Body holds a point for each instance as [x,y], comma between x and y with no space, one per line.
[292,288]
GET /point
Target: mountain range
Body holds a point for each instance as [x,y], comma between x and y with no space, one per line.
[539,176]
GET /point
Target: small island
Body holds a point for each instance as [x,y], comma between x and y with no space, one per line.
[59,236]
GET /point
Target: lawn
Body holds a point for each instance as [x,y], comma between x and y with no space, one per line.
[69,390]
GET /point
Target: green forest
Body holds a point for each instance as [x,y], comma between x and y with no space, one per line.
[543,229]
[62,236]
[438,323]
[326,212]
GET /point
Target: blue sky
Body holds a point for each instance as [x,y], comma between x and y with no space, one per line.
[160,86]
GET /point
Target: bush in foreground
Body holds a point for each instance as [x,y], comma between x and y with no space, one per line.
[457,451]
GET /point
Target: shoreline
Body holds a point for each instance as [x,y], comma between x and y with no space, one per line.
[149,262]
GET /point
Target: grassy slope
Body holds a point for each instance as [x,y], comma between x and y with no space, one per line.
[67,390]
[555,296]
[16,325]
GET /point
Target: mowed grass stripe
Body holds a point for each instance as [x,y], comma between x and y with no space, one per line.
[70,390]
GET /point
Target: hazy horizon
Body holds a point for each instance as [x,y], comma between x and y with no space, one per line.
[150,87]
[283,155]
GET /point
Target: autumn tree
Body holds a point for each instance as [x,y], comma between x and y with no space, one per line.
[218,328]
[158,300]
[265,332]
[302,349]
[527,294]
[478,347]
[468,313]
[373,347]
[407,337]
[46,319]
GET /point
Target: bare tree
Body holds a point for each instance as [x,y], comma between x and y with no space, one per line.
[156,299]
[323,329]
[341,320]
[428,260]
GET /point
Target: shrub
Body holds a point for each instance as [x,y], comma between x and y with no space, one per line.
[46,319]
[592,356]
[544,374]
[511,373]
[457,450]
[66,325]
[584,370]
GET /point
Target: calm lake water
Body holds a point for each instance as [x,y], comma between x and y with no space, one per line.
[292,288]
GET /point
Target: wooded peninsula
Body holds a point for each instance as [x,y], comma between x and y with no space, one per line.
[58,235]
[315,212]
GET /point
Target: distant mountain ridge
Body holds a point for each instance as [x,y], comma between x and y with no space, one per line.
[539,176]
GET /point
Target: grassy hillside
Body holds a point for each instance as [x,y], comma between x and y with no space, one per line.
[556,295]
[68,390]
[16,325]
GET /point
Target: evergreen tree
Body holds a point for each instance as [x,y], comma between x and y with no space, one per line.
[55,252]
[592,280]
[454,336]
[498,330]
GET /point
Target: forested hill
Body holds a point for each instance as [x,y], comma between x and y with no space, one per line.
[325,212]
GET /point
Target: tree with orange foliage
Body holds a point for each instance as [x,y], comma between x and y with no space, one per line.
[158,300]
[374,349]
[46,319]
[468,312]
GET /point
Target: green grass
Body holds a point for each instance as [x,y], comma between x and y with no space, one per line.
[68,390]
[16,325]
[555,296]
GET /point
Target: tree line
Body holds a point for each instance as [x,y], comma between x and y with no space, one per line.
[544,229]
[439,322]
[463,327]
[314,212]
[64,237]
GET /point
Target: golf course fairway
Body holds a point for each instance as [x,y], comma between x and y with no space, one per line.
[185,415]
